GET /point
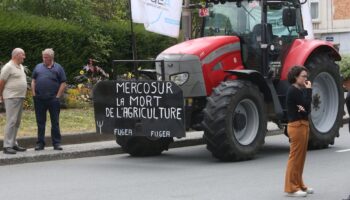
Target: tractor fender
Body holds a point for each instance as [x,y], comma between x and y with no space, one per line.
[301,50]
[265,86]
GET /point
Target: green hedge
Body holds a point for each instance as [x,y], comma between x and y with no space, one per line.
[72,43]
[344,65]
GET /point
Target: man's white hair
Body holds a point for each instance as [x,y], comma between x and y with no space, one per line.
[16,51]
[49,52]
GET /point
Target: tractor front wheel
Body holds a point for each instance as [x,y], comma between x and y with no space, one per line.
[235,121]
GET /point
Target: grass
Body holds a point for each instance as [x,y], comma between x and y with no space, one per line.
[71,121]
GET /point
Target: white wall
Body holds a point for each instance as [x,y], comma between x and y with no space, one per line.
[328,26]
[339,38]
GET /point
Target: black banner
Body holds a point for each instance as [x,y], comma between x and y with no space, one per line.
[139,108]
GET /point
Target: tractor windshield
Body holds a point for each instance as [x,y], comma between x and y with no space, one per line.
[230,19]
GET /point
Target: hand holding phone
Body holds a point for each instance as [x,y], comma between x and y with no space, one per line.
[300,108]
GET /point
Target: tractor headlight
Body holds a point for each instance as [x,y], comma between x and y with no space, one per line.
[179,79]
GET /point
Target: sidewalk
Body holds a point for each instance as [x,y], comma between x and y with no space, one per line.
[92,144]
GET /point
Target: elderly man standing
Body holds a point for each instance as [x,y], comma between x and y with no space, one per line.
[13,88]
[48,84]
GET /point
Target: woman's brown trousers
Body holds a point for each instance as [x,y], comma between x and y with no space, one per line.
[298,132]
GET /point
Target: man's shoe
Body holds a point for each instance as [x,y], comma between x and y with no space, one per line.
[309,190]
[18,148]
[39,147]
[57,147]
[298,193]
[9,150]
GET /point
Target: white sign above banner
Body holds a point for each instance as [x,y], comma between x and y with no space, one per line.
[137,8]
[159,16]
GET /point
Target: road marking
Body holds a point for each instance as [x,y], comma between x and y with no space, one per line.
[342,151]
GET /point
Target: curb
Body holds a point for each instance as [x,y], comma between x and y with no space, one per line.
[60,156]
[76,138]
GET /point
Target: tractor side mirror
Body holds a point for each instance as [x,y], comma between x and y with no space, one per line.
[289,17]
[303,33]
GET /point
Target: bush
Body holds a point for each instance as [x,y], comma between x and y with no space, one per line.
[73,98]
[34,34]
[77,98]
[28,103]
[74,43]
[344,65]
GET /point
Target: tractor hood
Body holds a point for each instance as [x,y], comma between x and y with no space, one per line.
[202,47]
[200,63]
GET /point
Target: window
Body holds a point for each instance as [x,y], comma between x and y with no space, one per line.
[315,9]
[274,17]
[230,19]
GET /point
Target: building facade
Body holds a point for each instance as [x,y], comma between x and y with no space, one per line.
[331,22]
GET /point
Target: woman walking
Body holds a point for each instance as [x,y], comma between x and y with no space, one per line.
[298,109]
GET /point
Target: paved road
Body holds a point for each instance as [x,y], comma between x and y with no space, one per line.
[183,173]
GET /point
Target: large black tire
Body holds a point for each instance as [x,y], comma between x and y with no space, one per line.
[235,107]
[327,100]
[143,146]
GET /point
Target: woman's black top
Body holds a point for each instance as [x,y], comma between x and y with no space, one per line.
[295,97]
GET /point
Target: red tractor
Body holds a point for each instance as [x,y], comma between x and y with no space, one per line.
[234,78]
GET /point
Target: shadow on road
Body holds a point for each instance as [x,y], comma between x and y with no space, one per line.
[275,149]
[200,155]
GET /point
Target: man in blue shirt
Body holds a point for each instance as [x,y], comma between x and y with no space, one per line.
[48,84]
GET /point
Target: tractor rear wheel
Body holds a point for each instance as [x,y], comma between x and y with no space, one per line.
[327,101]
[143,146]
[235,121]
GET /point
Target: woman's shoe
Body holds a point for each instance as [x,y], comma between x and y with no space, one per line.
[309,190]
[298,193]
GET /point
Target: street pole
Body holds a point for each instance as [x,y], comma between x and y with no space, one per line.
[133,38]
[187,20]
[133,41]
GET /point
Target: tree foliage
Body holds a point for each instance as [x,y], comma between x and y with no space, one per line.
[344,65]
[75,10]
[76,29]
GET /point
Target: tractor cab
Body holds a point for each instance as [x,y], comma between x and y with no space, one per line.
[271,27]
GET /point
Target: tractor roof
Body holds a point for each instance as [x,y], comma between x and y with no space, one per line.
[296,3]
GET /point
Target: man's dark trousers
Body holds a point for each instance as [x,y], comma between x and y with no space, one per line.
[41,107]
